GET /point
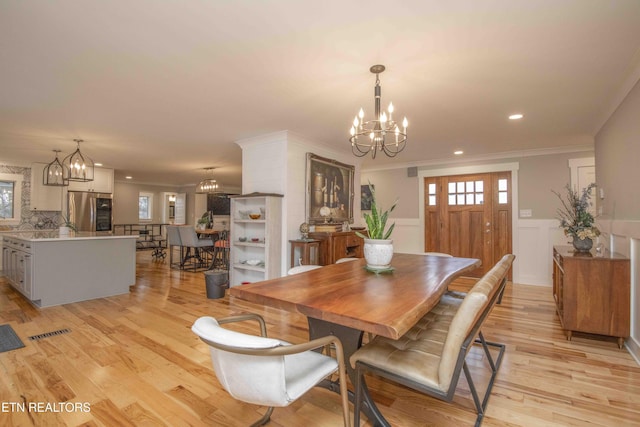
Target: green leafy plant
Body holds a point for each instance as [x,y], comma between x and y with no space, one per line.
[66,222]
[377,219]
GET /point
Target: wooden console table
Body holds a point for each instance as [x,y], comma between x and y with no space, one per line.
[592,292]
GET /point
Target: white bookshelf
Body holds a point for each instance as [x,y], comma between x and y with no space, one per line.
[263,236]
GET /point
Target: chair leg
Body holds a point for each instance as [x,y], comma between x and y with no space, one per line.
[265,419]
[344,395]
[474,394]
[501,292]
[494,365]
[357,405]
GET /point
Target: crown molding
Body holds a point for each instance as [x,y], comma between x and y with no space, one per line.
[485,157]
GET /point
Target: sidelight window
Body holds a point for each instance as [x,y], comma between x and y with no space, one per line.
[432,194]
[503,195]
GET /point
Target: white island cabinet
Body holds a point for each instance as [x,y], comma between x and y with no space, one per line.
[49,269]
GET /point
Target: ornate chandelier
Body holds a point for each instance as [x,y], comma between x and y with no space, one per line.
[380,134]
[209,185]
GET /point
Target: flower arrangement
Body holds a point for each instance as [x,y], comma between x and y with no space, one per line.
[574,215]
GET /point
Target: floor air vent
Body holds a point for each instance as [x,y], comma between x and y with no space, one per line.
[49,334]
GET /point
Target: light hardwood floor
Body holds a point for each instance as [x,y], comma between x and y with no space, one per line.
[134,360]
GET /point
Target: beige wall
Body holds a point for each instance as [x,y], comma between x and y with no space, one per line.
[617,156]
[617,148]
[537,176]
[125,201]
[394,184]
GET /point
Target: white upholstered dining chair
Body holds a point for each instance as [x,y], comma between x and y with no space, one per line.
[266,371]
[301,269]
[440,254]
[341,260]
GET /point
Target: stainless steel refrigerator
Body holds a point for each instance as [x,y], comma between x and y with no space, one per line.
[90,211]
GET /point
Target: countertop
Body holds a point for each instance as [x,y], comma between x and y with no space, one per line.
[54,235]
[568,252]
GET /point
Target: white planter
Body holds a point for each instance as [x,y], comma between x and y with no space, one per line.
[63,231]
[378,253]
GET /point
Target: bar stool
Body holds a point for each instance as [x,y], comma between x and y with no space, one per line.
[173,240]
[190,240]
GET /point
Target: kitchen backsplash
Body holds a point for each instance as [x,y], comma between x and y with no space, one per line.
[29,220]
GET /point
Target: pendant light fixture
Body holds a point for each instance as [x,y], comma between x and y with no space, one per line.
[380,134]
[55,173]
[80,167]
[209,185]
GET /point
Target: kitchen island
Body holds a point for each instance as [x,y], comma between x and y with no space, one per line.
[51,269]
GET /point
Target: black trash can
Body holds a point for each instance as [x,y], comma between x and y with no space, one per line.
[216,282]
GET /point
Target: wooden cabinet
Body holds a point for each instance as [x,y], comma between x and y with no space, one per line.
[43,197]
[256,244]
[304,252]
[102,182]
[341,244]
[592,292]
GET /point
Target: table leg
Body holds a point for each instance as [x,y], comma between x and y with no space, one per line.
[351,341]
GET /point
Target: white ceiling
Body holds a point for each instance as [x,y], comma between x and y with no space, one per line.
[161,89]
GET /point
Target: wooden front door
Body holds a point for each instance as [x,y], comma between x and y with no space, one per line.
[469,216]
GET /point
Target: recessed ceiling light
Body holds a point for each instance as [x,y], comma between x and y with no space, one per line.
[458,152]
[128,177]
[516,116]
[97,164]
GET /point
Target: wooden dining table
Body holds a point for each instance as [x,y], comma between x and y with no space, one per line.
[347,300]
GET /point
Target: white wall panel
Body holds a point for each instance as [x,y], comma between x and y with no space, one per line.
[624,237]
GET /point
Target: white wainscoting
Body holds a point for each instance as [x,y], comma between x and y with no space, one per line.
[624,237]
[407,235]
[533,249]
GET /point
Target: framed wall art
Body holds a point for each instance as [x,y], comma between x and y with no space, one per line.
[366,197]
[329,190]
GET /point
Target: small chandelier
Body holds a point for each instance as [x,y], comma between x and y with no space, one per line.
[55,173]
[208,185]
[382,133]
[80,167]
